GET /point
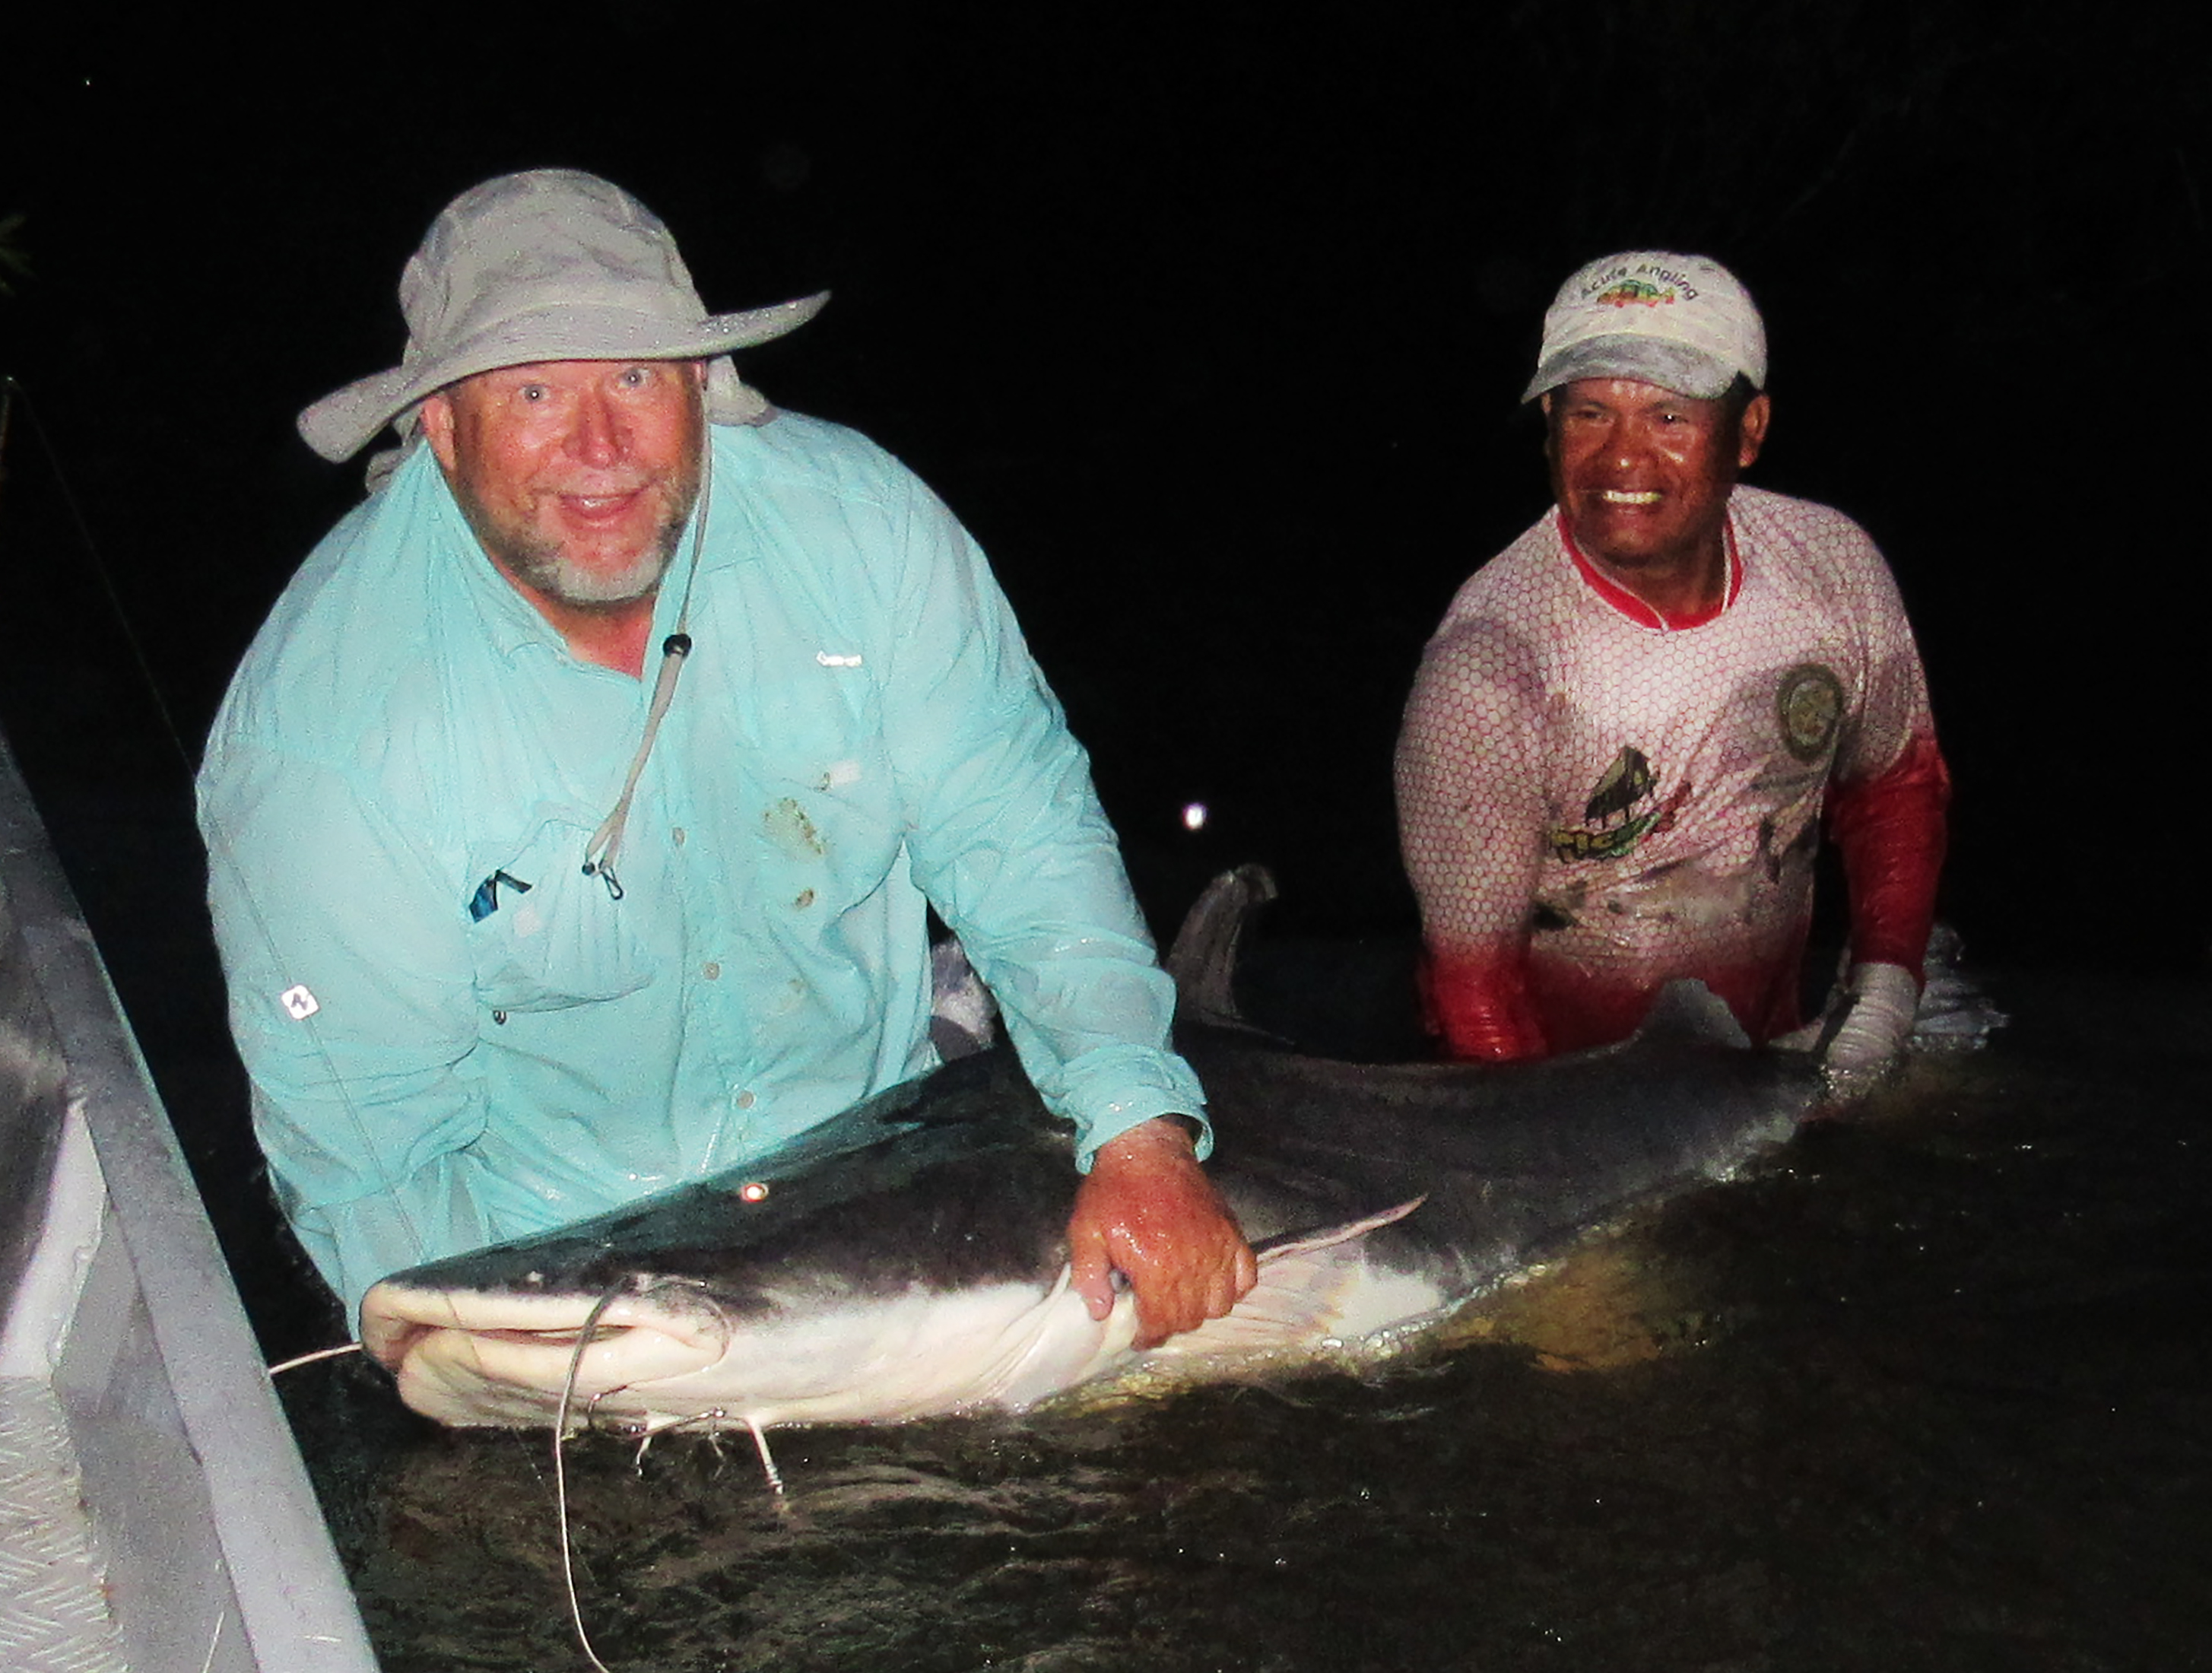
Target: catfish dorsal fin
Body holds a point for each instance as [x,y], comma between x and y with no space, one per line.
[1203,956]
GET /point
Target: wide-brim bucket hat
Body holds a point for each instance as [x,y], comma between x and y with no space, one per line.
[552,263]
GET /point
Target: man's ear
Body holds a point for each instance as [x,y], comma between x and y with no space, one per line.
[1751,432]
[436,413]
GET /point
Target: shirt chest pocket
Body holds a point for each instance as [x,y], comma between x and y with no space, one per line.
[543,936]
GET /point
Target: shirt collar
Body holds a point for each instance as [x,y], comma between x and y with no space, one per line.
[1644,615]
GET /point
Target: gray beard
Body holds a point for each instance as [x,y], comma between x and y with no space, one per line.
[543,566]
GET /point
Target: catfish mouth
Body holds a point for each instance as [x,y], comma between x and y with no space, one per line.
[556,1338]
[475,1358]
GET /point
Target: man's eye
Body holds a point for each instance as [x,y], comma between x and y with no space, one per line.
[637,377]
[531,394]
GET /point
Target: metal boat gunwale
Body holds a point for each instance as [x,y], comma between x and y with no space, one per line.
[210,1552]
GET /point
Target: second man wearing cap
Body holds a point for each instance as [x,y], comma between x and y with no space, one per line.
[1622,739]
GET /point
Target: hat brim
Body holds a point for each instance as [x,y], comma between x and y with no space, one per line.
[340,424]
[1674,366]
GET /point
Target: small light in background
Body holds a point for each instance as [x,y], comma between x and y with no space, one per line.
[1194,816]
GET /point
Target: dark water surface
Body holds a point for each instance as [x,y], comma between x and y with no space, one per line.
[1213,336]
[1927,1389]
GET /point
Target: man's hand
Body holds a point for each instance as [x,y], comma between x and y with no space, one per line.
[1148,1210]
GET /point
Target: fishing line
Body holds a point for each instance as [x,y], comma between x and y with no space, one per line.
[586,1333]
[584,1336]
[297,1361]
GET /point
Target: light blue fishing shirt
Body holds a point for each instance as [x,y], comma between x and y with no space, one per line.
[456,1036]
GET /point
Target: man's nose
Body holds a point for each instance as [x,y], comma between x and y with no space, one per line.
[1627,444]
[597,437]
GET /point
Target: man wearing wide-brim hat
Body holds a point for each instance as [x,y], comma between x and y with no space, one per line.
[1625,737]
[574,820]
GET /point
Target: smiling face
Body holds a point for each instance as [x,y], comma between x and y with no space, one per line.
[576,475]
[1642,475]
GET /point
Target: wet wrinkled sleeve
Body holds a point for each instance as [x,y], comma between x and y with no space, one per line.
[1471,820]
[351,1003]
[1011,846]
[1888,809]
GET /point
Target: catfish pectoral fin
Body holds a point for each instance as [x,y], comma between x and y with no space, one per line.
[1316,1288]
[1286,1243]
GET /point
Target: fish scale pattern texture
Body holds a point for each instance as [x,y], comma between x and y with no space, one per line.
[1599,802]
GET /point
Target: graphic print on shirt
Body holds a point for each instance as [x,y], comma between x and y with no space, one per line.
[1809,706]
[1613,825]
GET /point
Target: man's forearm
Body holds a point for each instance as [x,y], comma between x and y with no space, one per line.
[1891,831]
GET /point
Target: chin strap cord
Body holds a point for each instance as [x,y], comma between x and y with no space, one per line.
[599,852]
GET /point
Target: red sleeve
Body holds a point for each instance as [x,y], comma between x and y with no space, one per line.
[1891,831]
[1481,1009]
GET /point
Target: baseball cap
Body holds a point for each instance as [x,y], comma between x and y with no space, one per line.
[1681,322]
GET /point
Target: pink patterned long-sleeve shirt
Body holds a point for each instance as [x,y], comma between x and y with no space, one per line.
[1594,801]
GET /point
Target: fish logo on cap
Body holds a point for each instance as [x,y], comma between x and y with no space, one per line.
[1634,292]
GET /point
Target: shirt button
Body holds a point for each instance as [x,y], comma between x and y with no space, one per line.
[710,970]
[747,1100]
[677,833]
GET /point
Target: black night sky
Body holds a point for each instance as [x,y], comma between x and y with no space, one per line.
[1211,322]
[1211,328]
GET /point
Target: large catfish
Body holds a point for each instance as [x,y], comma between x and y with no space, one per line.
[909,1257]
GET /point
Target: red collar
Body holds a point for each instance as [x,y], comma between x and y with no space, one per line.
[1636,610]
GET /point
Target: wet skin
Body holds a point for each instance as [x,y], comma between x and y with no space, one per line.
[1643,475]
[577,476]
[1147,1211]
